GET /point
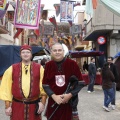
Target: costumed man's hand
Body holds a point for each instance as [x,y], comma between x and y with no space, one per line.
[57,98]
[8,111]
[41,108]
[66,97]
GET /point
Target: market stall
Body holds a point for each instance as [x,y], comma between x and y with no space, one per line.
[86,53]
[98,80]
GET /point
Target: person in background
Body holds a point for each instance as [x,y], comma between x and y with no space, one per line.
[92,75]
[56,79]
[115,73]
[43,62]
[107,78]
[21,88]
[85,66]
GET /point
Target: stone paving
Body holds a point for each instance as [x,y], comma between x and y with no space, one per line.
[90,106]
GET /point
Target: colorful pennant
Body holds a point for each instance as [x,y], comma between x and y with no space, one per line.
[19,30]
[53,21]
[70,22]
[37,32]
[57,9]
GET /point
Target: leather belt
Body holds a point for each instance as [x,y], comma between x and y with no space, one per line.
[27,101]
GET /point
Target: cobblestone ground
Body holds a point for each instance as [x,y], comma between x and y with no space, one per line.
[90,106]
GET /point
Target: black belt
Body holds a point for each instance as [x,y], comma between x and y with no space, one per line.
[27,102]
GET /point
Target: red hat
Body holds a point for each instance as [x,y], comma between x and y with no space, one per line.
[25,47]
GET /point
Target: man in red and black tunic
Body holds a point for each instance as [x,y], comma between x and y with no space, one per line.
[56,79]
[21,88]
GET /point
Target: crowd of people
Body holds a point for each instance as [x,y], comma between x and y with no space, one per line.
[26,85]
[110,78]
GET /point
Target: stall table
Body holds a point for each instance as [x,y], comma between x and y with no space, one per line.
[98,80]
